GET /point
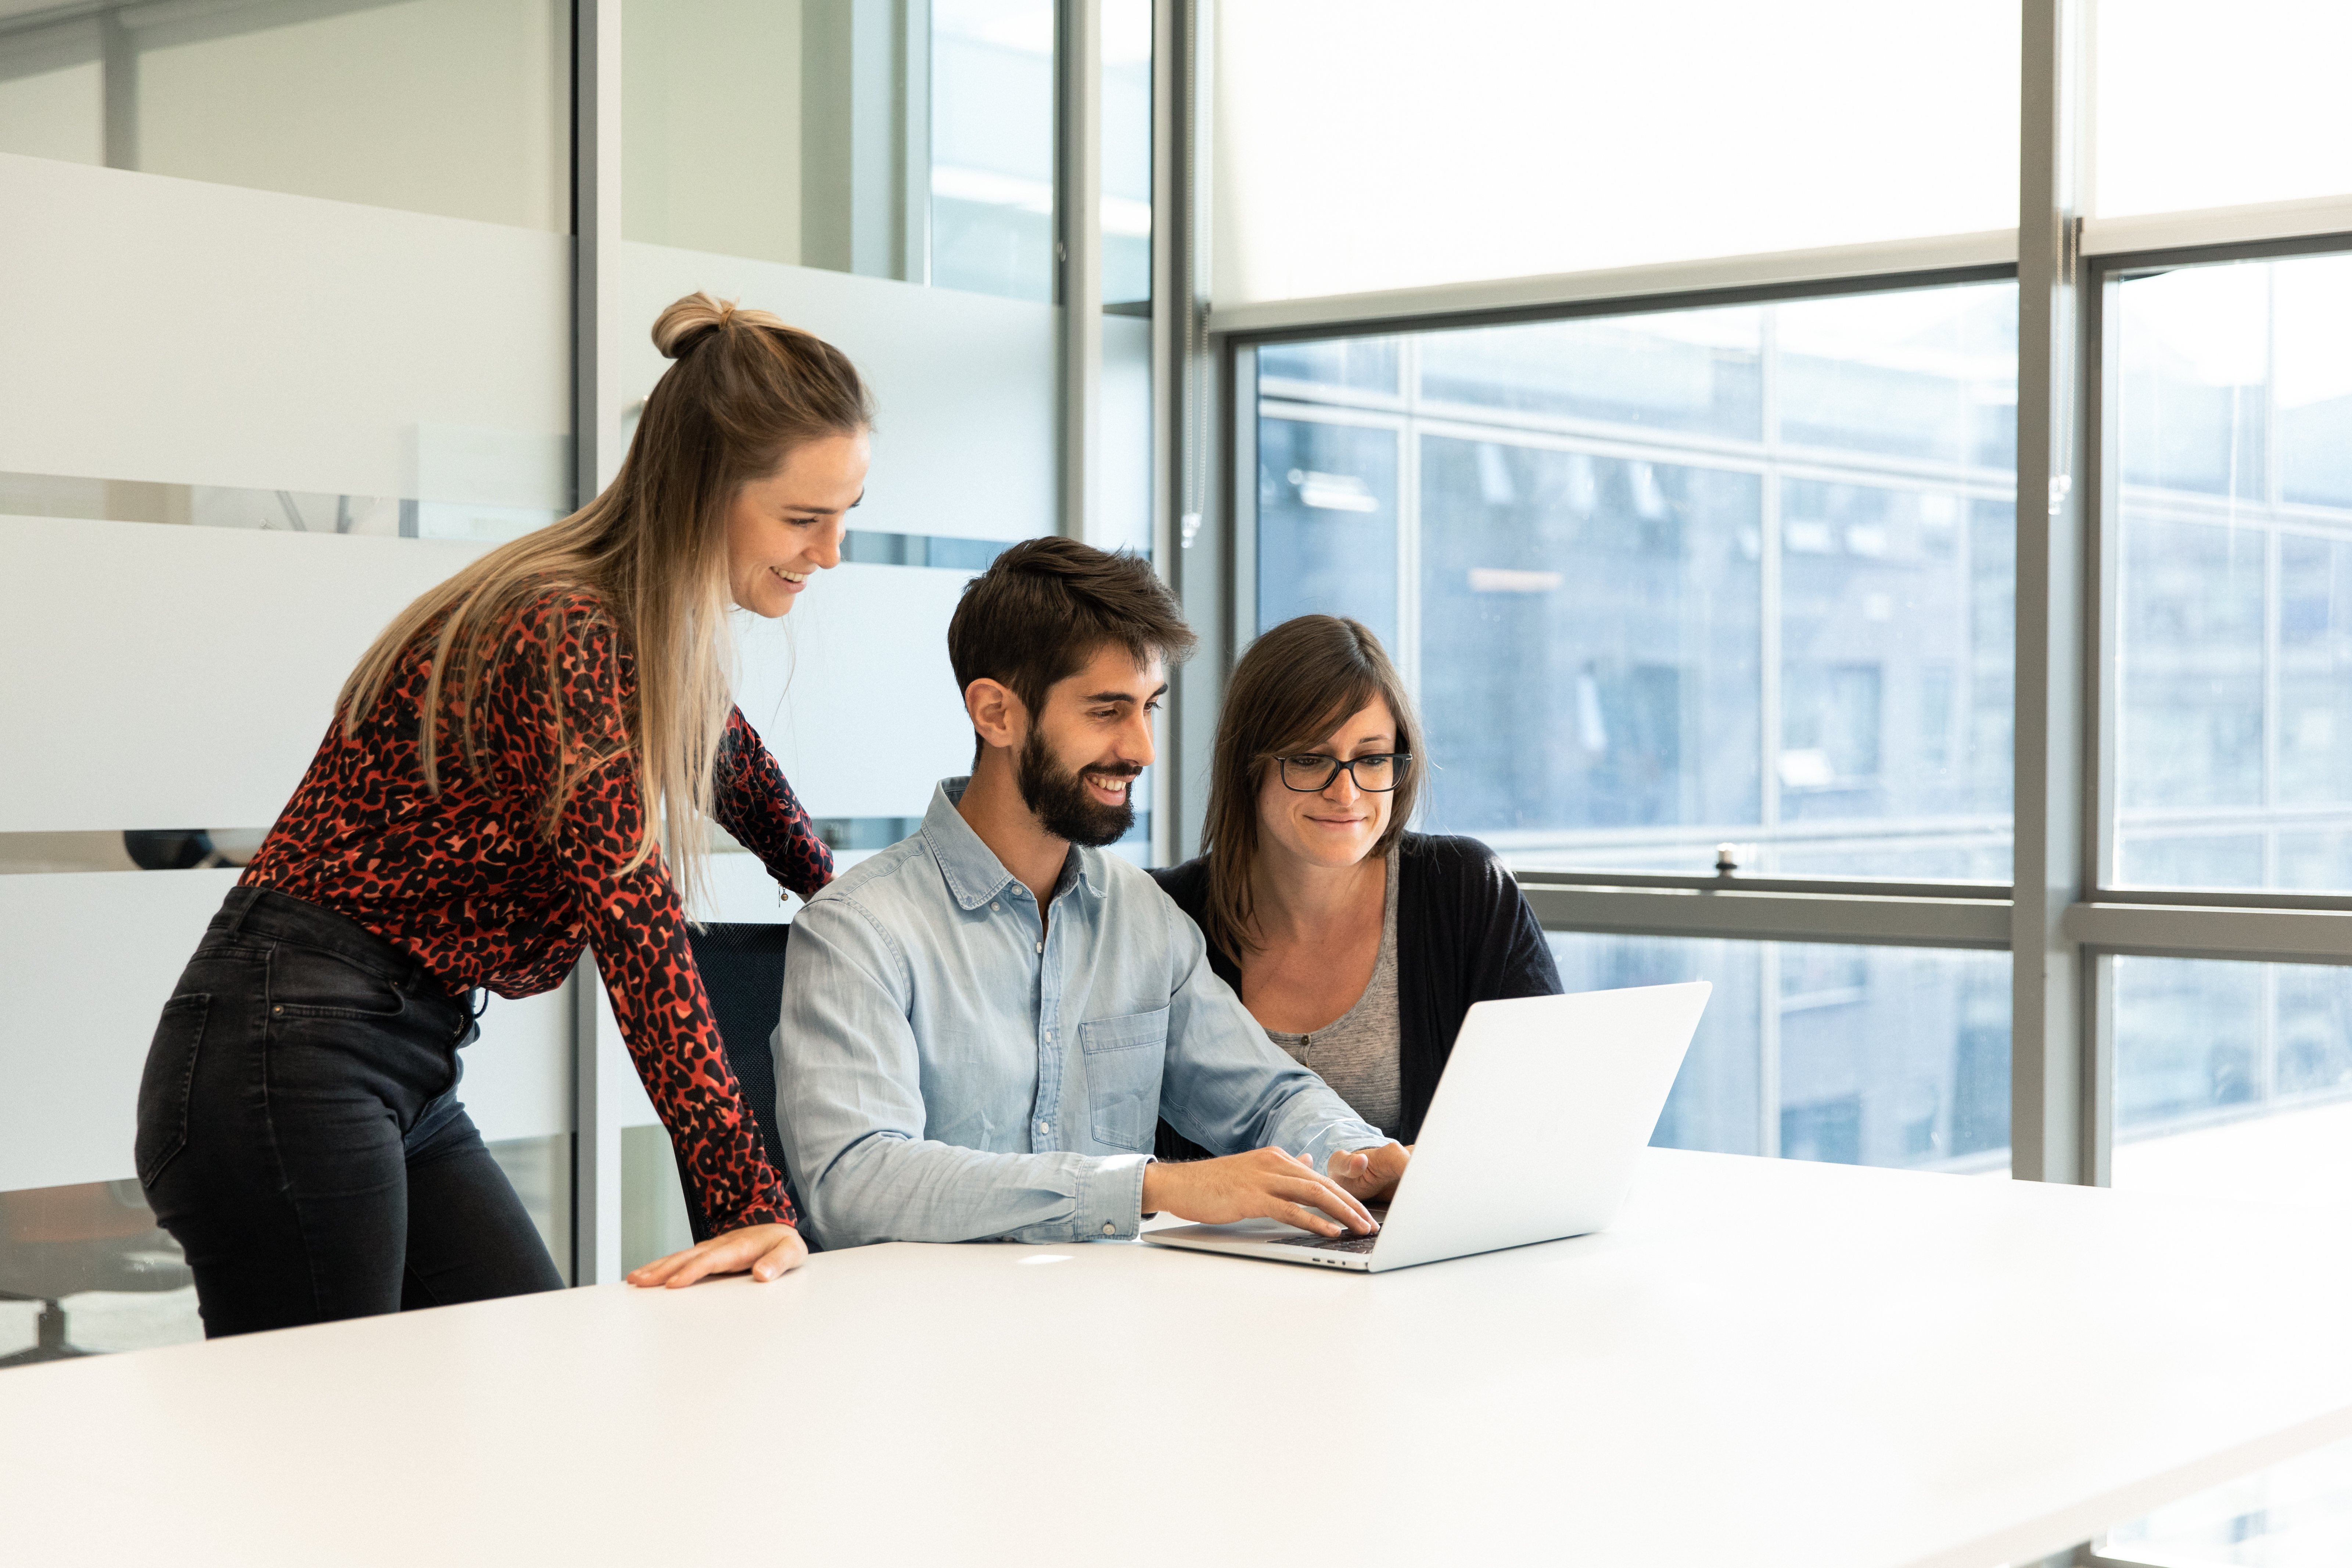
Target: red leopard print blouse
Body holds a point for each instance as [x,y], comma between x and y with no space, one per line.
[467,883]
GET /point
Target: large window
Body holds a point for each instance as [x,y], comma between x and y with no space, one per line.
[1859,1055]
[1667,581]
[2234,742]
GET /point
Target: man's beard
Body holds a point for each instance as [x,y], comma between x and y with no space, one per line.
[1060,802]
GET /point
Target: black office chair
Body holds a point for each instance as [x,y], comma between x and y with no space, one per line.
[57,1242]
[742,967]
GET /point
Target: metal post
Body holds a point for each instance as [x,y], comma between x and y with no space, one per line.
[1168,845]
[1190,417]
[1077,204]
[118,91]
[597,448]
[914,120]
[2050,1071]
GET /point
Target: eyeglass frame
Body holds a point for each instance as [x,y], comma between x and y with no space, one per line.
[1281,760]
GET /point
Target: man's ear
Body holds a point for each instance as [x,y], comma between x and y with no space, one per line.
[998,717]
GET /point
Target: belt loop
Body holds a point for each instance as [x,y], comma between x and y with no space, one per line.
[239,904]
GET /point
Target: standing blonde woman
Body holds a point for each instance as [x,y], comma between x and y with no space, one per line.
[1357,945]
[524,763]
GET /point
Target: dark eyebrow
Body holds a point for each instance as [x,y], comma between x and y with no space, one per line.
[1125,696]
[852,505]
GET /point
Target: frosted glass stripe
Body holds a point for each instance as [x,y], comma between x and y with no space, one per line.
[85,964]
[187,334]
[168,676]
[963,384]
[853,691]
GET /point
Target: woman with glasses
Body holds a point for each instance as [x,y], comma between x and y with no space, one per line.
[1357,944]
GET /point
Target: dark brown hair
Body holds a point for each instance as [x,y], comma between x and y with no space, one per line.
[652,549]
[1047,606]
[1296,685]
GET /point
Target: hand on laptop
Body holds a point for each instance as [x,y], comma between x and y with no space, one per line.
[767,1250]
[1265,1183]
[1372,1174]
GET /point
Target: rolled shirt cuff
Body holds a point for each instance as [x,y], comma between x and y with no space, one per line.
[1110,1197]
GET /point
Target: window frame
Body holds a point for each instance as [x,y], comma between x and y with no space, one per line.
[2059,916]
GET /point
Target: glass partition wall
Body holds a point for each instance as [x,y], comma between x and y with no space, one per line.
[385,270]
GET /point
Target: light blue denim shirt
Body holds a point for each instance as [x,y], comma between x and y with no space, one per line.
[944,1073]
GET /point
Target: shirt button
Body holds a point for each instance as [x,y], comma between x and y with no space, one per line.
[997,908]
[1109,1229]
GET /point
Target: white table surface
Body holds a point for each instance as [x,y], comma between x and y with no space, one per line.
[1767,1363]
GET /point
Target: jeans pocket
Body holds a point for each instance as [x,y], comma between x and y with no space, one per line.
[167,1084]
[306,983]
[1123,1057]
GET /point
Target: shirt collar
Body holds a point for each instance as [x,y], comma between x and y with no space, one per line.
[974,874]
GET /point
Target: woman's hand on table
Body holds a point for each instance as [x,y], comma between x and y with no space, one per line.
[767,1250]
[1369,1174]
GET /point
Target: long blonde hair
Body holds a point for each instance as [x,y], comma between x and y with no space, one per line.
[652,549]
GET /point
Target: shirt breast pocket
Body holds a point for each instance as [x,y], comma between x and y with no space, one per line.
[1123,1057]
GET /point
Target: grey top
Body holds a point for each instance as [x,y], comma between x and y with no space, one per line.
[1357,1054]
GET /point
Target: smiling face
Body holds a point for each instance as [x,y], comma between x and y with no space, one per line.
[1079,762]
[1337,826]
[785,527]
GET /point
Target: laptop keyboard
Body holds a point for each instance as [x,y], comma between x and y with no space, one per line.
[1379,1213]
[1330,1243]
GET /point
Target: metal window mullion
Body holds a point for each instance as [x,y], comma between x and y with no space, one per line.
[1408,540]
[2271,713]
[597,1056]
[1167,393]
[2103,541]
[1077,214]
[1768,1050]
[1773,690]
[913,86]
[1201,561]
[2050,1071]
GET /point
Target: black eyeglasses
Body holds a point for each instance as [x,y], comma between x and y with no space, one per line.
[1378,774]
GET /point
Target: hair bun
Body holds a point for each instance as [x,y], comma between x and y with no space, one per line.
[682,328]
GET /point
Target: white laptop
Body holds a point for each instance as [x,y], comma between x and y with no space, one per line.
[1545,1106]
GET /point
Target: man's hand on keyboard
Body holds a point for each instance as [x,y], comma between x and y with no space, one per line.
[1265,1183]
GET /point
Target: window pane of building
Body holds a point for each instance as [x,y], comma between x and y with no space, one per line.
[2190,114]
[2233,748]
[1648,608]
[992,173]
[2233,1079]
[457,107]
[1327,523]
[1859,1055]
[850,138]
[1382,151]
[1127,151]
[2294,1515]
[1697,371]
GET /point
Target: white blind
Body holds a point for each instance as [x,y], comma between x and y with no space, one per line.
[2201,105]
[1369,145]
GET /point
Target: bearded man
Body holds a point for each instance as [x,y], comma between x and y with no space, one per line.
[983,1025]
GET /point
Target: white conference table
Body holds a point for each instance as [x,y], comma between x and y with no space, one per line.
[1766,1363]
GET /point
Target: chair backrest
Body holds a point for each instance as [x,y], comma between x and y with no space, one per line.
[742,967]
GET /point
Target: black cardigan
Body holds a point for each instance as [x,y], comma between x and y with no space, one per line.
[1464,934]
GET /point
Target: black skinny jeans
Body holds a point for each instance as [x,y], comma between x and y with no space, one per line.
[299,1131]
